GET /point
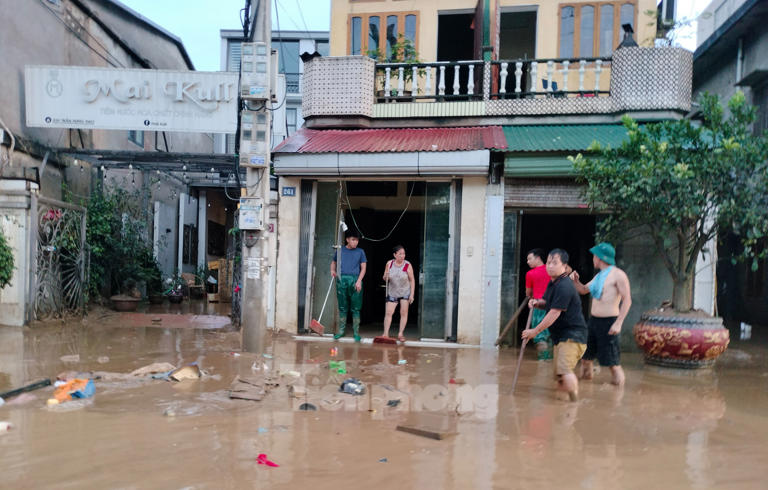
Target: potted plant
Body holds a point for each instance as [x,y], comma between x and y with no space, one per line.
[402,51]
[129,297]
[686,184]
[175,291]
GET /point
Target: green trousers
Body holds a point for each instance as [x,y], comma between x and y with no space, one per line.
[349,299]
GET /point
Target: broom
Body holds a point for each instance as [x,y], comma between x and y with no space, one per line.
[522,349]
[315,325]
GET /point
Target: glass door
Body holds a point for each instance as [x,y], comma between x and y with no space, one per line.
[435,250]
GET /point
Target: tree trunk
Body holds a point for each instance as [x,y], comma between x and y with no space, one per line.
[682,294]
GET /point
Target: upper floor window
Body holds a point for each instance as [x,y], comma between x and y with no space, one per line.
[136,137]
[375,34]
[593,29]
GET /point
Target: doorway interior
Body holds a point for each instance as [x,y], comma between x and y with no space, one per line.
[414,214]
[574,233]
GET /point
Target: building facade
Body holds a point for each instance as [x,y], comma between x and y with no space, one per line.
[458,151]
[730,56]
[38,163]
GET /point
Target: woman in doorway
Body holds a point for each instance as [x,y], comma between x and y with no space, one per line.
[401,287]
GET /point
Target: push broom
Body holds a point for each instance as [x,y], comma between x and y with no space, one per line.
[315,325]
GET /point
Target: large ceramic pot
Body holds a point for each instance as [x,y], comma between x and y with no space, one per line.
[122,302]
[681,340]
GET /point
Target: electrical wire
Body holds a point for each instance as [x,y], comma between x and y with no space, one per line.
[362,234]
[113,62]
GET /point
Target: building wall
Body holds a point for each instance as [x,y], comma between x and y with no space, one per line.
[713,17]
[547,23]
[288,236]
[471,265]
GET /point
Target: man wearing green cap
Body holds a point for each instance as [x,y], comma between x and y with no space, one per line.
[611,299]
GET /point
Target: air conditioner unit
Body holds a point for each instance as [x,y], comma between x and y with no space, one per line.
[255,71]
[254,138]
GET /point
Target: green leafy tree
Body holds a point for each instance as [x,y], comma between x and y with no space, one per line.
[685,183]
[118,237]
[6,262]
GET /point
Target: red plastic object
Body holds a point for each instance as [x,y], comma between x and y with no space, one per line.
[384,340]
[262,459]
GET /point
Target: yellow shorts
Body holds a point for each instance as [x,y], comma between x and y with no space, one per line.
[567,355]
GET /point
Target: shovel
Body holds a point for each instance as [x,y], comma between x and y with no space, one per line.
[520,357]
[315,325]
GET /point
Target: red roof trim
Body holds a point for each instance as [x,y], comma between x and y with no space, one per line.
[394,140]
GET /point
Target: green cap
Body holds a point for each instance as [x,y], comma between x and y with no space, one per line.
[605,252]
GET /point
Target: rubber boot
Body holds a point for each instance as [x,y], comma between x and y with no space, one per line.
[356,328]
[342,327]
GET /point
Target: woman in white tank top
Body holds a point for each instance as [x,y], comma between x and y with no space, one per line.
[401,287]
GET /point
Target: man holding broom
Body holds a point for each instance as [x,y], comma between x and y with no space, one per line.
[349,287]
[564,321]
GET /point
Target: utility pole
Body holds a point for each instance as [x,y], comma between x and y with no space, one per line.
[256,160]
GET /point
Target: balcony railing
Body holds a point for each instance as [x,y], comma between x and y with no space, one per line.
[464,80]
[632,79]
[561,77]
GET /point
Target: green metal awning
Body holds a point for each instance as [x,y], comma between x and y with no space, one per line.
[543,150]
[571,137]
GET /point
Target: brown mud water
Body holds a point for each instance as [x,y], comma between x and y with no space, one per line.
[681,340]
[661,430]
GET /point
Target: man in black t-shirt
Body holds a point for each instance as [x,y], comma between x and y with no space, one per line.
[564,320]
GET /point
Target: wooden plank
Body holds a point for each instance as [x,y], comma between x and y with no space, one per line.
[432,426]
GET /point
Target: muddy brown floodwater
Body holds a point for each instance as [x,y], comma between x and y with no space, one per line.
[663,430]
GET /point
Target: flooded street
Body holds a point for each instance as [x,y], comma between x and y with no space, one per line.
[664,429]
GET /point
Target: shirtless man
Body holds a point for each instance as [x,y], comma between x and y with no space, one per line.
[611,300]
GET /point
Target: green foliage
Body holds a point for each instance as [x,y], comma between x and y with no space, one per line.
[6,261]
[685,182]
[402,51]
[119,242]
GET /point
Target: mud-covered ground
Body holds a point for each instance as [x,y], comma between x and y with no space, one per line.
[663,430]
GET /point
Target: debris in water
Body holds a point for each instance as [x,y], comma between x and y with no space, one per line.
[383,460]
[402,361]
[263,430]
[307,407]
[71,358]
[186,372]
[155,367]
[262,459]
[75,388]
[268,356]
[352,386]
[247,389]
[5,427]
[393,403]
[103,359]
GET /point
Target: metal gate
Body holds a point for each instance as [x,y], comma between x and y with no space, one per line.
[59,274]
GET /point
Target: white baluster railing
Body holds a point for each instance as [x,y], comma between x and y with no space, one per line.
[428,81]
[442,80]
[503,84]
[598,71]
[415,81]
[582,70]
[456,84]
[564,71]
[400,81]
[534,78]
[471,80]
[550,70]
[518,76]
[387,76]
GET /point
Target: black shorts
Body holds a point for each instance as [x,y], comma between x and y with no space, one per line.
[601,345]
[392,299]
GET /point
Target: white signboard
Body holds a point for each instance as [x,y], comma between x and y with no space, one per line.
[133,99]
